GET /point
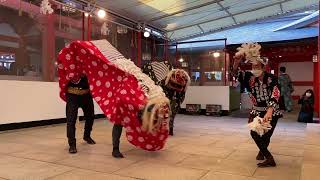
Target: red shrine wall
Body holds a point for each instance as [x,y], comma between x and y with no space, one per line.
[32,40]
[29,44]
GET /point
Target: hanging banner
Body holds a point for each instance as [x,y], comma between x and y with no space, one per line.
[314,58]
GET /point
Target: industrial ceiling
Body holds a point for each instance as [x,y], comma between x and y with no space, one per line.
[182,19]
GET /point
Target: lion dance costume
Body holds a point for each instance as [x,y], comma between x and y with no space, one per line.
[125,94]
[174,83]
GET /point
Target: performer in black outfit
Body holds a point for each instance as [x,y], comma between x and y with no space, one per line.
[264,93]
[176,99]
[307,107]
[78,95]
[116,134]
[173,83]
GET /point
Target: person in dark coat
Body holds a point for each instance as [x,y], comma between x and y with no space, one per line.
[307,107]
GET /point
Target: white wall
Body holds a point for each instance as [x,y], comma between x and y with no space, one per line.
[24,101]
[299,71]
[208,95]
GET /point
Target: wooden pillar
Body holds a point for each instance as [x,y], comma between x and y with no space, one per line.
[48,48]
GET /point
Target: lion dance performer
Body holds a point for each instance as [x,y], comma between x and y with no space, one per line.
[174,83]
[128,97]
[264,93]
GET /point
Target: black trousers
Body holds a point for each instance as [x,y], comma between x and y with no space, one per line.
[175,107]
[74,102]
[116,135]
[263,141]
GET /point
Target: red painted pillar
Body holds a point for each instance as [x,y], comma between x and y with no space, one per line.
[316,80]
[276,68]
[225,62]
[132,45]
[139,50]
[316,85]
[83,26]
[48,48]
[89,28]
[154,50]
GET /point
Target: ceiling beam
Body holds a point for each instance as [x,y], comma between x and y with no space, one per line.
[281,7]
[214,19]
[125,18]
[200,28]
[184,10]
[228,12]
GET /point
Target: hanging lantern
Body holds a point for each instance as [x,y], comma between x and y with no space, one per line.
[69,7]
[20,9]
[45,7]
[146,56]
[31,15]
[122,30]
[60,20]
[105,31]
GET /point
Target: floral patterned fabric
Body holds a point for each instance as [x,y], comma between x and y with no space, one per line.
[116,91]
[264,94]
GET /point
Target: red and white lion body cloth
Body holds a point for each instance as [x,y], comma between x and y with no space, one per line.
[120,89]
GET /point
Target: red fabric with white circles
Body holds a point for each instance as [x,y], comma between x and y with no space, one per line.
[116,92]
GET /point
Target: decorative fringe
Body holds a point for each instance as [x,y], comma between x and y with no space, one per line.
[259,126]
[144,80]
[155,94]
[149,117]
[45,7]
[78,123]
[251,51]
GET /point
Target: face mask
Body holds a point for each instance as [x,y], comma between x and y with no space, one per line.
[308,94]
[256,72]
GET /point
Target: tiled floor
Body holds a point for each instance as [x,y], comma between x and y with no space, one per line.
[206,148]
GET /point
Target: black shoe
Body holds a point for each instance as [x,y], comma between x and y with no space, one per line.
[171,131]
[116,153]
[89,140]
[267,163]
[73,149]
[260,156]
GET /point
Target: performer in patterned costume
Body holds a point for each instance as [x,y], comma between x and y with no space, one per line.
[264,93]
[128,97]
[174,82]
